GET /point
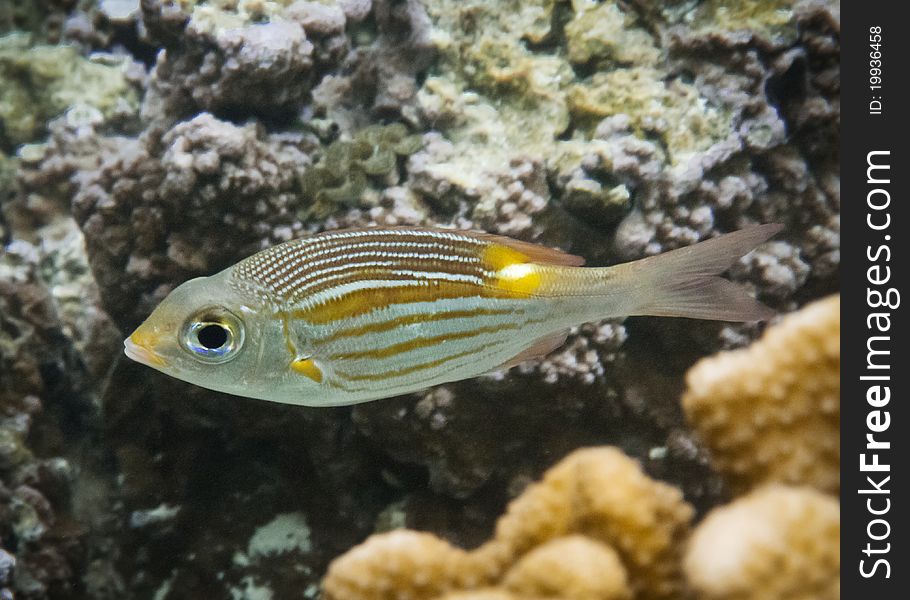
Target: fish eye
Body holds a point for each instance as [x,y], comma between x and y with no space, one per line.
[213,335]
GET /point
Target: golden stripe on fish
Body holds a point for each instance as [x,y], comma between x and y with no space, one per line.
[363,296]
[420,342]
[413,368]
[433,375]
[388,325]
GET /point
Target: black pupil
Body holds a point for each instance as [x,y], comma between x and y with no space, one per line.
[212,336]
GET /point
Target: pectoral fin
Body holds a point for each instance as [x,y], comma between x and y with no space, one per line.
[540,348]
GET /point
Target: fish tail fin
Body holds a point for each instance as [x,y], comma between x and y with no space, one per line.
[686,282]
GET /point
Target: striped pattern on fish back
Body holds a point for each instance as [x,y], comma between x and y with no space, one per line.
[315,273]
[396,309]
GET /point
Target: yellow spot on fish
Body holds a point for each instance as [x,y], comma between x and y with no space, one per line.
[498,256]
[514,273]
[308,368]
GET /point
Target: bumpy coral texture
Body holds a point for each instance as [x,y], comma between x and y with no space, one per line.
[402,564]
[771,412]
[595,527]
[573,567]
[603,494]
[776,543]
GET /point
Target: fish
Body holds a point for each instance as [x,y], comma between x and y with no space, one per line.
[350,316]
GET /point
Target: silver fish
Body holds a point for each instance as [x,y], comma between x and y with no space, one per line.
[350,316]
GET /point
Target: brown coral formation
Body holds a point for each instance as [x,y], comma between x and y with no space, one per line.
[771,412]
[786,546]
[595,527]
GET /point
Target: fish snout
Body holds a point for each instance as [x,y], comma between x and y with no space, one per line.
[140,346]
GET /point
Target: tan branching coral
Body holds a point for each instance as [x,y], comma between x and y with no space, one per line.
[777,543]
[771,412]
[604,494]
[573,567]
[595,527]
[484,594]
[402,564]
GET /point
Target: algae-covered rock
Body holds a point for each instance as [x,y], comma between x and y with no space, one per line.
[40,82]
[658,106]
[768,21]
[602,32]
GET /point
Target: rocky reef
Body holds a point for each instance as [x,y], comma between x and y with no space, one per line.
[146,142]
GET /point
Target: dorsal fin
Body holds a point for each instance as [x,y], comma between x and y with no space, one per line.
[535,252]
[540,348]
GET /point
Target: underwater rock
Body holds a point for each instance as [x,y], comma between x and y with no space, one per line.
[602,34]
[771,412]
[762,173]
[787,545]
[45,406]
[41,82]
[155,212]
[232,61]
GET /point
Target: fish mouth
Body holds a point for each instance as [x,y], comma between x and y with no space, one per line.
[143,354]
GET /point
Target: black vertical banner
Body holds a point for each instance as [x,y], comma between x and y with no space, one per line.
[875,171]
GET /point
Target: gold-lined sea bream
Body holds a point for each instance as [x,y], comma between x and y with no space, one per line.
[350,316]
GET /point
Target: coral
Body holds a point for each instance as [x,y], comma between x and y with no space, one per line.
[40,82]
[483,594]
[604,495]
[268,59]
[155,212]
[585,356]
[771,412]
[774,166]
[399,564]
[572,567]
[751,21]
[231,58]
[786,546]
[341,175]
[594,527]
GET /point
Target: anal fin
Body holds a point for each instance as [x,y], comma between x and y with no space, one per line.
[540,348]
